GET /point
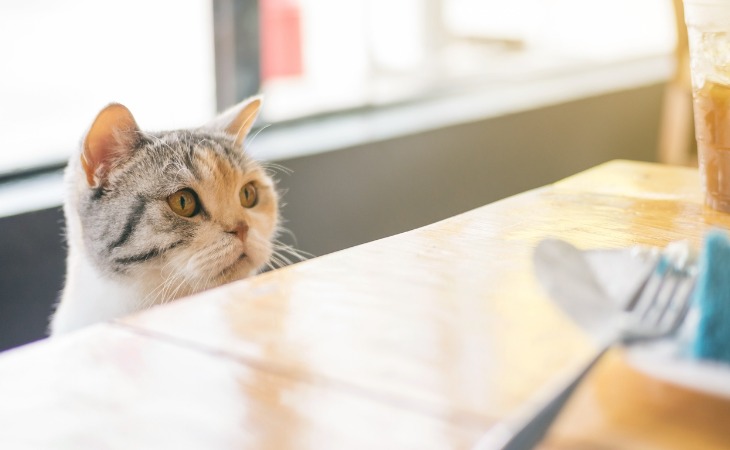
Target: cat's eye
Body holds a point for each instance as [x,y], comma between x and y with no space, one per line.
[184,203]
[248,195]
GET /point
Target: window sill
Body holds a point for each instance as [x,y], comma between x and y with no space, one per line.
[319,135]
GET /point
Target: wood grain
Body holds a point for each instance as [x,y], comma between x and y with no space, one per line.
[426,339]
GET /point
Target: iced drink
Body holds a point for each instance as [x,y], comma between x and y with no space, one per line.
[708,26]
[712,128]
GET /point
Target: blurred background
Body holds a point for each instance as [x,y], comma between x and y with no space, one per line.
[391,114]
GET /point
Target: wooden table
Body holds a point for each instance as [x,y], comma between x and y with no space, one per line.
[424,340]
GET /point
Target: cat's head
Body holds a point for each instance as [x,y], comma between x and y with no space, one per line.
[182,210]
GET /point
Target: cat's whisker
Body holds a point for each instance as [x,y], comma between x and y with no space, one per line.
[249,141]
[158,141]
[153,295]
[301,255]
[173,295]
[276,166]
[202,284]
[245,124]
[206,284]
[209,255]
[288,247]
[199,284]
[283,262]
[169,266]
[275,263]
[282,258]
[161,293]
[157,293]
[281,253]
[174,287]
[283,230]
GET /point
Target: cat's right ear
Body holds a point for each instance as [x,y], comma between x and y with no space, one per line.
[110,138]
[238,119]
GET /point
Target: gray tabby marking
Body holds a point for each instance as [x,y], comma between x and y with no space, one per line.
[152,217]
[132,221]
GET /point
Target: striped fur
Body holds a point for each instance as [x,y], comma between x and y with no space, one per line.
[128,250]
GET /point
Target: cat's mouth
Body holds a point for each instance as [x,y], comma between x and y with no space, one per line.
[231,268]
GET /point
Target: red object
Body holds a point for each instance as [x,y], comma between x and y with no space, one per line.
[281,39]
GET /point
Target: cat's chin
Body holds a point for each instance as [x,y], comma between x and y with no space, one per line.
[240,268]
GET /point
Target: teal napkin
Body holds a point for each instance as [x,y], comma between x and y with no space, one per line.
[712,298]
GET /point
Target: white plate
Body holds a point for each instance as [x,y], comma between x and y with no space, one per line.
[611,275]
[663,360]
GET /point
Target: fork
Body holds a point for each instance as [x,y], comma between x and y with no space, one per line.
[656,311]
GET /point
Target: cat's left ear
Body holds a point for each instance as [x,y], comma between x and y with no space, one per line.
[238,119]
[109,140]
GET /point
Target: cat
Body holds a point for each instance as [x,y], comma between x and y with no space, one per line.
[152,217]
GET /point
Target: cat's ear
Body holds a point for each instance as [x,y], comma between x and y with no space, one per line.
[110,138]
[238,119]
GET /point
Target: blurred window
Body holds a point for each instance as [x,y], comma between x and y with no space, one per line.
[169,61]
[325,55]
[61,62]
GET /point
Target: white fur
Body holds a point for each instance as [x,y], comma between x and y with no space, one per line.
[89,297]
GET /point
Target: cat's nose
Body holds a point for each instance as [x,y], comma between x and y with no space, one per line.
[241,231]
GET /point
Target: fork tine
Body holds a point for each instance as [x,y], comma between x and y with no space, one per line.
[648,296]
[647,290]
[679,305]
[663,303]
[664,297]
[661,312]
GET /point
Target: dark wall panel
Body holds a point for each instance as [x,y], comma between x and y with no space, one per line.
[32,265]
